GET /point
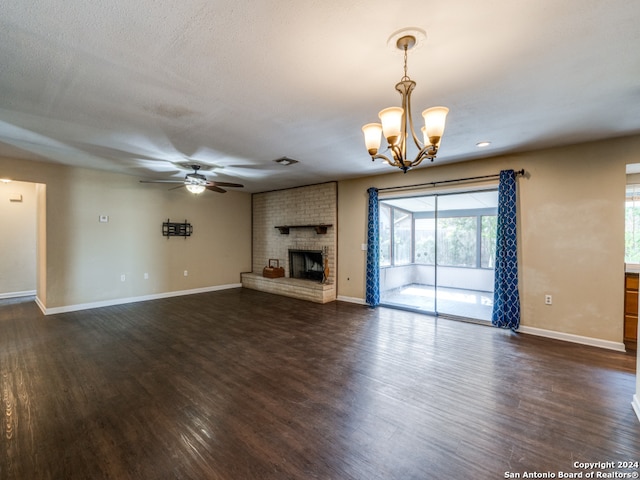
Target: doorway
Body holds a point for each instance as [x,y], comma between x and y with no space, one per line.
[18,262]
[438,253]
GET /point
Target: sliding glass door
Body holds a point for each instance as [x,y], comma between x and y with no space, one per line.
[438,253]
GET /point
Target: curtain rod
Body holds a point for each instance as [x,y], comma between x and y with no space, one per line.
[440,182]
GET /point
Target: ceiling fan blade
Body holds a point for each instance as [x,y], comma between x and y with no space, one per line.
[179,186]
[227,184]
[216,189]
[162,181]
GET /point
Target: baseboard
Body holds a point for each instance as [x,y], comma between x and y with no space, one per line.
[122,301]
[636,405]
[43,309]
[569,337]
[27,293]
[359,301]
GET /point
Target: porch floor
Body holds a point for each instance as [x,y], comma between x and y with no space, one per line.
[451,301]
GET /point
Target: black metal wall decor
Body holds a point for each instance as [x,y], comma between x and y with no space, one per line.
[173,229]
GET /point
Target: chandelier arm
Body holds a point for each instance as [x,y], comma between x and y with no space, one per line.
[393,163]
[397,152]
[428,151]
[417,142]
[405,124]
[417,162]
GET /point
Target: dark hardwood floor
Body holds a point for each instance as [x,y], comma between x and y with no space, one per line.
[241,384]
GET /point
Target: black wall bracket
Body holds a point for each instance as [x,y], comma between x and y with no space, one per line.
[173,229]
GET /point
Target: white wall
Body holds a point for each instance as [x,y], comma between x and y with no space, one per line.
[18,239]
[479,279]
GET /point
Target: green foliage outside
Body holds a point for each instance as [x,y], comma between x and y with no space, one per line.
[457,242]
[489,236]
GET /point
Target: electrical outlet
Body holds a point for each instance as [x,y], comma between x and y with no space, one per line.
[123,277]
[548,300]
[146,276]
[186,273]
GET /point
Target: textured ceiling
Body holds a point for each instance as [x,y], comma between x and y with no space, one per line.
[140,87]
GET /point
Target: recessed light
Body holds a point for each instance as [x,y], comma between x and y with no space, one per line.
[285,161]
[483,144]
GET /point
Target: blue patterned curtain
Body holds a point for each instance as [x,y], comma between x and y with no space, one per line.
[372,295]
[506,299]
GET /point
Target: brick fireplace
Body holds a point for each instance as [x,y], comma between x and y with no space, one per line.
[302,219]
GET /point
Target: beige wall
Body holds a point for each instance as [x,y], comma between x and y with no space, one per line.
[571,232]
[85,258]
[18,239]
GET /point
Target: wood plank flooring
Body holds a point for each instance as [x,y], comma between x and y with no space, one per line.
[241,384]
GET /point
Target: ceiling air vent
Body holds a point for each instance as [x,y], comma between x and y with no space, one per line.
[285,161]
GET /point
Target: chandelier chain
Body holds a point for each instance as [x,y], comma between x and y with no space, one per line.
[405,77]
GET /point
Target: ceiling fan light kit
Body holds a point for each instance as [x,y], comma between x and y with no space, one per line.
[396,123]
[195,188]
[197,183]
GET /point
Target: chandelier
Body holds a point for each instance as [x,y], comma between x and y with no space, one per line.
[397,124]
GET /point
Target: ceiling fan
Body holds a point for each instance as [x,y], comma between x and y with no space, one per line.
[197,183]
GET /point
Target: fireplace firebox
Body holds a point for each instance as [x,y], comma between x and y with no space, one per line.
[306,264]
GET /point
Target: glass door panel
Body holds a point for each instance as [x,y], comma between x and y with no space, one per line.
[466,229]
[438,253]
[408,280]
